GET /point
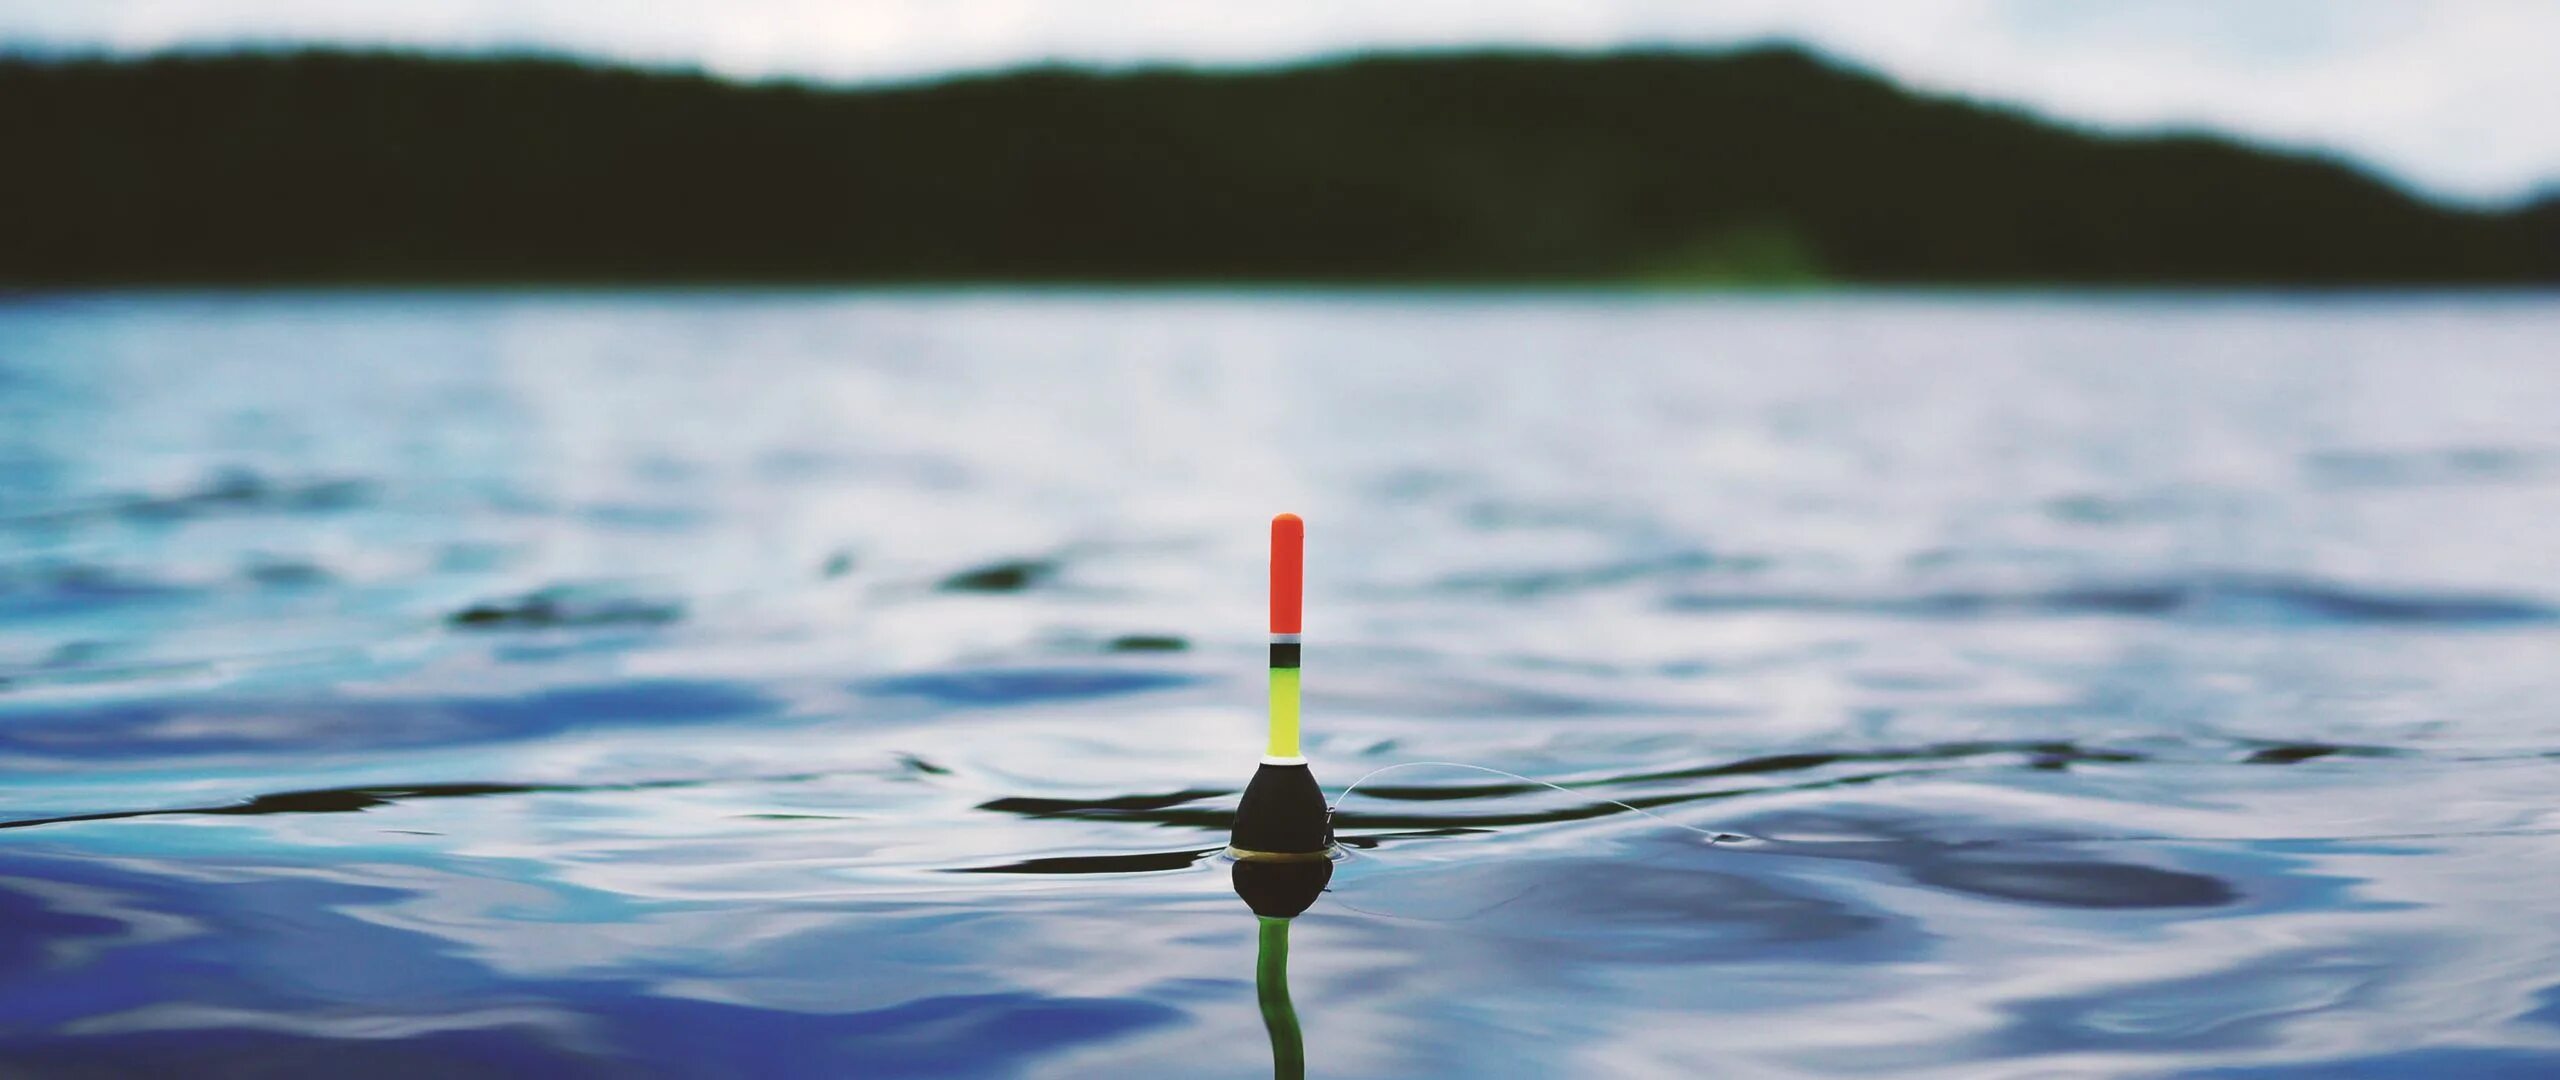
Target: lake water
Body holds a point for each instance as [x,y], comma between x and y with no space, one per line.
[857,684]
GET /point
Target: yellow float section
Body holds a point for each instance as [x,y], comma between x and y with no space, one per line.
[1284,714]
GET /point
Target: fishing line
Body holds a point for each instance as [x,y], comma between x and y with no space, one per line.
[1716,837]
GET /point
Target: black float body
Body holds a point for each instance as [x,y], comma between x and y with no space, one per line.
[1282,814]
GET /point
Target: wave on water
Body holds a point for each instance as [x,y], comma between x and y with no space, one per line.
[162,729]
[2210,597]
[230,491]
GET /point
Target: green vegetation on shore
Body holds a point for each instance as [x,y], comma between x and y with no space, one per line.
[1758,167]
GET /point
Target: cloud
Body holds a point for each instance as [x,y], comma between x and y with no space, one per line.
[2452,96]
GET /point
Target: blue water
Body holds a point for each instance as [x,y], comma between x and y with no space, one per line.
[846,684]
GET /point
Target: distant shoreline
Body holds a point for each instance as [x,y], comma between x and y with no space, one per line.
[1763,169]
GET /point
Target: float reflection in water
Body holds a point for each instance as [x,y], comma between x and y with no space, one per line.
[1278,892]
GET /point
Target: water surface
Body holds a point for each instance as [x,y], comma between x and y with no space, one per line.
[826,684]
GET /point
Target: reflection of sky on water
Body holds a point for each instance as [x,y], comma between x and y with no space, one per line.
[591,684]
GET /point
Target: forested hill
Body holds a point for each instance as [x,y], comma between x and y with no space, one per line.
[1764,166]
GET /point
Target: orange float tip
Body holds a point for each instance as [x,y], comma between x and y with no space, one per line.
[1288,572]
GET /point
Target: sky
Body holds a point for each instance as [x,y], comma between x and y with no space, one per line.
[2459,99]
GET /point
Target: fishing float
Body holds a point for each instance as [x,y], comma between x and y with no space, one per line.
[1282,841]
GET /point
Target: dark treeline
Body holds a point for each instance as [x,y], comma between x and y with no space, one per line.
[1759,166]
